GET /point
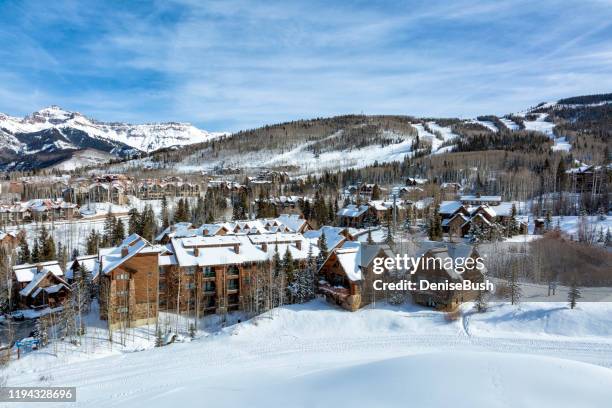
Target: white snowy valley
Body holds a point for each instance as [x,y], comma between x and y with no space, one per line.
[317,355]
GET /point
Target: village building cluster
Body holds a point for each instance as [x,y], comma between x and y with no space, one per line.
[220,267]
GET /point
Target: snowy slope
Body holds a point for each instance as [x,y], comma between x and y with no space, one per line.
[316,355]
[509,124]
[541,125]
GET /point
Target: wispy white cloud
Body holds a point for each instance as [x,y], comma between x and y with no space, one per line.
[236,64]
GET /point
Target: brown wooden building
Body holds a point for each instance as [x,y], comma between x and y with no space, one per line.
[129,282]
[347,277]
[434,268]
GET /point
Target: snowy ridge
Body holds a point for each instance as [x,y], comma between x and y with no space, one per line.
[145,137]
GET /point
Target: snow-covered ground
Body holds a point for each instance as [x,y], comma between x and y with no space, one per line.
[304,160]
[489,125]
[541,125]
[534,354]
[510,124]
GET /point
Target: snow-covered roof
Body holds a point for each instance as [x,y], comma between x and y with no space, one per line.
[37,279]
[89,262]
[26,272]
[333,235]
[349,261]
[238,249]
[3,235]
[481,198]
[449,207]
[352,210]
[293,221]
[111,258]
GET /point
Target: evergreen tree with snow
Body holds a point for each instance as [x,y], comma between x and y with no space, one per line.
[389,233]
[514,290]
[35,252]
[159,338]
[476,234]
[323,251]
[574,293]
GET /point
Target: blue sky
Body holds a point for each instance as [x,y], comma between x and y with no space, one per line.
[229,65]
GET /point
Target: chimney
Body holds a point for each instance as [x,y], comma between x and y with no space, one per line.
[264,247]
[237,248]
[205,232]
[124,251]
[298,244]
[38,267]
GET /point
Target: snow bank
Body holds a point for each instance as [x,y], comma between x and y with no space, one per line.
[544,320]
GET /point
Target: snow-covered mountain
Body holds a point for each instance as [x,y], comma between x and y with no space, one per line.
[53,134]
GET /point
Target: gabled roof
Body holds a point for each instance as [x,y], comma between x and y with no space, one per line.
[37,279]
[352,210]
[89,262]
[293,221]
[333,235]
[26,272]
[111,258]
[450,207]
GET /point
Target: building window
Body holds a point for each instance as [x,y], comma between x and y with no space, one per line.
[191,285]
[232,284]
[190,270]
[233,270]
[122,293]
[122,309]
[123,276]
[209,286]
[209,272]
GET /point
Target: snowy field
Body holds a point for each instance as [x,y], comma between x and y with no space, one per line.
[316,355]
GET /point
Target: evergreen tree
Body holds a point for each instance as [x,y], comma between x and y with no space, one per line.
[165,216]
[376,192]
[480,302]
[35,252]
[62,255]
[93,242]
[389,234]
[147,223]
[119,232]
[134,222]
[323,251]
[192,330]
[288,266]
[574,293]
[24,251]
[435,225]
[48,252]
[514,291]
[276,262]
[109,227]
